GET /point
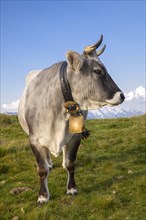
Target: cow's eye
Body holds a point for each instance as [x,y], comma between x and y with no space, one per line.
[97,71]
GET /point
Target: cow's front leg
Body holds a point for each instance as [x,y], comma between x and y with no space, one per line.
[70,152]
[43,168]
[50,163]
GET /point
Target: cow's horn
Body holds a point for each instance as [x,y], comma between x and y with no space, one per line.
[91,48]
[99,52]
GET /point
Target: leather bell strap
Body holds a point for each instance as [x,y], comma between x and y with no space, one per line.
[65,87]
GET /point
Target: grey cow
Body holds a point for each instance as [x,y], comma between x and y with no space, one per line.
[44,118]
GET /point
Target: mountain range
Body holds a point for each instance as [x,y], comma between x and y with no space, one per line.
[112,112]
[105,112]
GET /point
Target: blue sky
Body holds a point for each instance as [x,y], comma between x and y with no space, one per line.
[36,34]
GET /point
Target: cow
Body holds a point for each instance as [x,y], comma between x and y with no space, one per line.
[81,79]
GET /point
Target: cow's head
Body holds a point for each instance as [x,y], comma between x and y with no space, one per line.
[92,87]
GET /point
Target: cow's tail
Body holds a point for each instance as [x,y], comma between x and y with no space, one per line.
[23,123]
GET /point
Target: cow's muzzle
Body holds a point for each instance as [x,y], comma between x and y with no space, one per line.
[117,99]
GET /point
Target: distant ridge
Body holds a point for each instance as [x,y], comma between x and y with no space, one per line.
[107,112]
[10,113]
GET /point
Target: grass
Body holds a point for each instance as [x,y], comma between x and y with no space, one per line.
[110,174]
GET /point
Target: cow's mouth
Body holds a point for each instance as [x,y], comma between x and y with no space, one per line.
[94,104]
[111,104]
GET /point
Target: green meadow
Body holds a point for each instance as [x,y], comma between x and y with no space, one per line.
[110,174]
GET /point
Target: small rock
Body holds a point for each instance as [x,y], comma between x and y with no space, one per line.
[19,190]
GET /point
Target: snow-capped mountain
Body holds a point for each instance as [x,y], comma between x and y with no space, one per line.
[112,112]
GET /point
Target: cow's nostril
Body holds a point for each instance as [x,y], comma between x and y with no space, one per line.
[122,96]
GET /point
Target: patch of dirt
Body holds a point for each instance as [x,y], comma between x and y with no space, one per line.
[19,190]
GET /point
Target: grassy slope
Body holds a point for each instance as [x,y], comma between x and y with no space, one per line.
[110,174]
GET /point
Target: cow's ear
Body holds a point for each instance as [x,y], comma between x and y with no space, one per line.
[75,60]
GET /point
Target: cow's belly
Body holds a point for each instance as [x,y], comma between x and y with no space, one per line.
[55,145]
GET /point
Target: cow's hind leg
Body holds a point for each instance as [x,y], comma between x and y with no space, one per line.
[43,167]
[69,157]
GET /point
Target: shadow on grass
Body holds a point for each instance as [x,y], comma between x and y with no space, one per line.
[103,186]
[138,152]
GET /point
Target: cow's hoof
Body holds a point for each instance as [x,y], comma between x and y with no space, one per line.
[51,166]
[72,191]
[63,165]
[42,200]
